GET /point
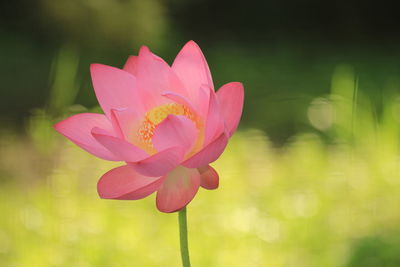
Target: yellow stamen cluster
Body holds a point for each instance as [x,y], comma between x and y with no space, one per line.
[156,115]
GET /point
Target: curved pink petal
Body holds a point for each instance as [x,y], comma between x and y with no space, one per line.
[203,100]
[175,131]
[160,163]
[131,65]
[148,165]
[128,120]
[115,123]
[78,129]
[179,188]
[177,98]
[231,98]
[192,69]
[214,121]
[114,88]
[120,148]
[155,76]
[124,183]
[208,154]
[209,177]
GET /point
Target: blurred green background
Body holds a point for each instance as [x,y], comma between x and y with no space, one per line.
[310,179]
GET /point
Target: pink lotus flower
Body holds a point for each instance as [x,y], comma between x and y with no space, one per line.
[166,123]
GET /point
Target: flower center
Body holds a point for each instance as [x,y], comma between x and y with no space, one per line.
[156,115]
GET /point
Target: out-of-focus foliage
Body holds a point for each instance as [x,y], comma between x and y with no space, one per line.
[307,203]
[377,251]
[124,23]
[283,54]
[36,35]
[322,82]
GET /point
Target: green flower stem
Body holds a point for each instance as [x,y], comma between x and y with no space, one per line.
[183,236]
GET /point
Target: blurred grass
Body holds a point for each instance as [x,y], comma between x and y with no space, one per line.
[308,203]
[303,205]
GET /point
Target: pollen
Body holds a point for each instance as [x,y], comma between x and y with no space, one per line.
[156,115]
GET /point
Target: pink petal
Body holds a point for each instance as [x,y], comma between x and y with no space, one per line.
[208,154]
[128,121]
[175,131]
[154,77]
[154,166]
[159,164]
[119,147]
[203,100]
[114,88]
[209,177]
[179,188]
[131,65]
[214,120]
[231,97]
[116,126]
[124,183]
[78,129]
[192,69]
[180,99]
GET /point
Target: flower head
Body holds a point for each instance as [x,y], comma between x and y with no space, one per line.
[165,122]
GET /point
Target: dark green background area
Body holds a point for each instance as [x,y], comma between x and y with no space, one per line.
[283,51]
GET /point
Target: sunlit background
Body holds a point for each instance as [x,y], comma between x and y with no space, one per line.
[311,179]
